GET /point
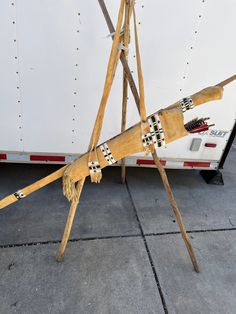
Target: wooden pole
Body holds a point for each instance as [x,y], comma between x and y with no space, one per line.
[69,222]
[177,213]
[227,81]
[109,78]
[123,122]
[126,38]
[122,55]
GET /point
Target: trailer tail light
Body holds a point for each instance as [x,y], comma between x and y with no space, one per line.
[3,156]
[212,145]
[200,164]
[47,158]
[149,162]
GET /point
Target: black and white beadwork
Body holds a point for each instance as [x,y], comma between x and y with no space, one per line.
[19,195]
[107,154]
[147,139]
[186,104]
[156,131]
[94,166]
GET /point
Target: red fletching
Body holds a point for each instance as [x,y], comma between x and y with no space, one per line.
[197,125]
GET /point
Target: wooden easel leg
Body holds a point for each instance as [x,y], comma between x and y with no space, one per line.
[69,223]
[176,211]
[123,123]
[126,39]
[123,171]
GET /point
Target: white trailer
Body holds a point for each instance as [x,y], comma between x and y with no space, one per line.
[53,60]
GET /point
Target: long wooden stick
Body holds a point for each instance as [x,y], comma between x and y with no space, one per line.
[176,210]
[122,56]
[69,222]
[227,81]
[160,168]
[143,114]
[123,122]
[126,38]
[109,78]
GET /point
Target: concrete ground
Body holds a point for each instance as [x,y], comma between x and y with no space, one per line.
[125,254]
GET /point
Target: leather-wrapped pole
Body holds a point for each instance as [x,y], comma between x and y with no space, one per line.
[122,145]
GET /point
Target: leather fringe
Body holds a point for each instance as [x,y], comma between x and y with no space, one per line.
[96,177]
[69,188]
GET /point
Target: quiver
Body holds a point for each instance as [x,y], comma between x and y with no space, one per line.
[172,122]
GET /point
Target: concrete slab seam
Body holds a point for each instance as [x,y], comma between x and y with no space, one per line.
[148,251]
[70,240]
[4,246]
[189,231]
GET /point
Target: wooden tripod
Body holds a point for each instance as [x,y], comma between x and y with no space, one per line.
[131,141]
[127,78]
